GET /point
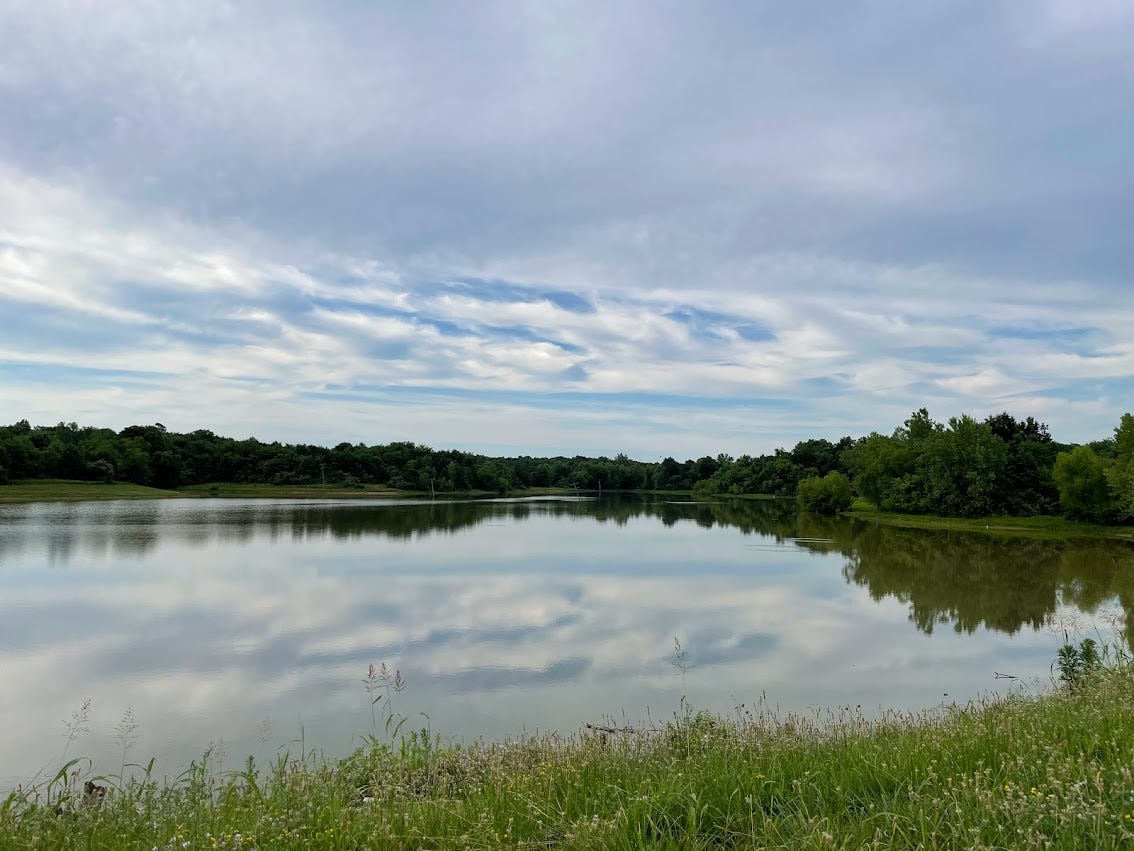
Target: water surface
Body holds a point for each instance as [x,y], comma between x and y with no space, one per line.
[249,624]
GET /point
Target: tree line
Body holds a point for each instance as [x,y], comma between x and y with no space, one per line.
[151,455]
[966,468]
[962,468]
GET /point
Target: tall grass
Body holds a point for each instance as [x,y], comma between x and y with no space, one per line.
[1053,770]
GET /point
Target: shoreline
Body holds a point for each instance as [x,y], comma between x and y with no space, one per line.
[1020,771]
[1042,527]
[51,490]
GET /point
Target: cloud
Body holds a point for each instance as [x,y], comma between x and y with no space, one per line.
[350,223]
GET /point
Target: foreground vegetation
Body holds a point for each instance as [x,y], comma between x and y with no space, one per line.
[1053,770]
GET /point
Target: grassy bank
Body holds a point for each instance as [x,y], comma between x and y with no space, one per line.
[232,490]
[56,490]
[1039,772]
[1028,527]
[59,490]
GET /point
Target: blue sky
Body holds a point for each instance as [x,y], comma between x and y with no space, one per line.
[656,228]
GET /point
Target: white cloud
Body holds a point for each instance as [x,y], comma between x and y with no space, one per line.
[780,213]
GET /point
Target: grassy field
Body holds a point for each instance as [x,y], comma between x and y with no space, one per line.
[1053,770]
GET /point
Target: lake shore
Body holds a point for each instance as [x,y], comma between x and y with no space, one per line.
[1039,770]
[53,490]
[1024,527]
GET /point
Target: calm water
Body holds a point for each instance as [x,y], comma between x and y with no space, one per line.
[248,624]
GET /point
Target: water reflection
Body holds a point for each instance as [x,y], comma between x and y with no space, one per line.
[132,528]
[971,581]
[965,580]
[208,616]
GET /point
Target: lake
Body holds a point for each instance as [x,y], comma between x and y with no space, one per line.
[249,625]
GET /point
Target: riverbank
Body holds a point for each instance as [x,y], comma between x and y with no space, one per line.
[55,490]
[1024,527]
[63,490]
[1052,770]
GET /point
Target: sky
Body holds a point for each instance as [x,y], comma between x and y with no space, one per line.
[659,228]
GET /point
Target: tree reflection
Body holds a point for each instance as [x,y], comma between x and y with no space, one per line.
[964,580]
[974,581]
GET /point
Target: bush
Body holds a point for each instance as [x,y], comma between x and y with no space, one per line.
[1084,493]
[100,471]
[1077,663]
[828,495]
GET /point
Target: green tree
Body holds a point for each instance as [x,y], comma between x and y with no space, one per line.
[101,471]
[1084,492]
[1026,487]
[961,466]
[883,470]
[1120,471]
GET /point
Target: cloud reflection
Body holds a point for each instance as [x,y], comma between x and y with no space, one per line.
[503,614]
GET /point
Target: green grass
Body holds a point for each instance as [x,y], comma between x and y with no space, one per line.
[1028,527]
[58,490]
[249,491]
[1047,771]
[259,491]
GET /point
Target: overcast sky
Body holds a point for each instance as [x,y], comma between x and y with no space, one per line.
[658,228]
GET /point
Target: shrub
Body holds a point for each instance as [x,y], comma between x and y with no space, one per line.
[828,495]
[1077,663]
[1084,493]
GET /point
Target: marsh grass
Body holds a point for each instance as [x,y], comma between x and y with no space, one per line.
[1040,770]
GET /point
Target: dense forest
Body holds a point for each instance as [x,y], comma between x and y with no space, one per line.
[151,455]
[964,467]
